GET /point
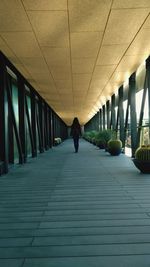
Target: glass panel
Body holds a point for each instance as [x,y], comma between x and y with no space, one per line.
[116,111]
[128,130]
[145,136]
[146,111]
[138,99]
[16,112]
[145,132]
[140,76]
[37,134]
[125,108]
[28,140]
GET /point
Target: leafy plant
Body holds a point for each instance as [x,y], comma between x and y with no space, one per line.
[90,136]
[101,143]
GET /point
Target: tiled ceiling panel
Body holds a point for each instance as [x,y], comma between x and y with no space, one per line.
[85,44]
[128,60]
[88,15]
[103,72]
[13,16]
[35,65]
[45,4]
[123,25]
[130,4]
[141,43]
[76,53]
[56,56]
[64,85]
[82,65]
[50,27]
[111,54]
[28,47]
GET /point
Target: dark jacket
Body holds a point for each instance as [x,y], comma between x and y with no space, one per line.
[75,130]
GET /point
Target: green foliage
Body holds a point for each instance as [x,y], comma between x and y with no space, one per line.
[143,153]
[85,135]
[92,133]
[114,144]
[100,142]
[114,135]
[90,136]
[98,138]
[105,135]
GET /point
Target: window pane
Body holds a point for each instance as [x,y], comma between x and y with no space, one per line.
[16,113]
[28,140]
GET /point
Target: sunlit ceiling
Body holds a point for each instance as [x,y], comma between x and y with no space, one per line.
[75,53]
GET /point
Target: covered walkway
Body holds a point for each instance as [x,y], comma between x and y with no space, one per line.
[64,209]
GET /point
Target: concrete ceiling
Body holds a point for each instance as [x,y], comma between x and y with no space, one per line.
[76,53]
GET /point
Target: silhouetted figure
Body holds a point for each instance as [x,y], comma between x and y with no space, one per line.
[75,133]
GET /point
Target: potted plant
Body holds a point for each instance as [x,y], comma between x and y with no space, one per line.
[114,147]
[101,143]
[142,158]
[102,138]
[92,135]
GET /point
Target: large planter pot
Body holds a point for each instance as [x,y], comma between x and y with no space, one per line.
[143,166]
[114,147]
[115,151]
[142,158]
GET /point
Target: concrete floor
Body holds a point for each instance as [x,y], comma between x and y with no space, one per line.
[66,209]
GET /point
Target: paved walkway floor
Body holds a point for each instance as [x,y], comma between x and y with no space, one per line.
[66,209]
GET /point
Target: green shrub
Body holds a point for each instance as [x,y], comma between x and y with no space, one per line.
[101,143]
[114,147]
[90,136]
[114,144]
[103,137]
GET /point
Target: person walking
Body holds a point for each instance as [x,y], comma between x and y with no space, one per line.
[75,133]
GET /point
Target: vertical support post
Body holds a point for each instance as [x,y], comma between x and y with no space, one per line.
[47,125]
[10,126]
[33,123]
[22,129]
[3,115]
[100,119]
[121,116]
[50,128]
[108,113]
[30,128]
[148,88]
[38,126]
[113,115]
[103,108]
[44,125]
[132,92]
[97,121]
[13,119]
[40,114]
